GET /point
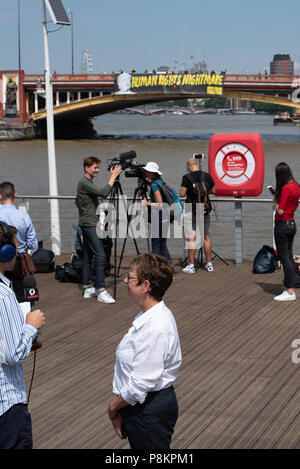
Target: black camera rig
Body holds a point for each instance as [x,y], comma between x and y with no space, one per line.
[123,159]
[199,156]
[134,170]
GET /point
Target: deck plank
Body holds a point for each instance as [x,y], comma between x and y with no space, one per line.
[237,388]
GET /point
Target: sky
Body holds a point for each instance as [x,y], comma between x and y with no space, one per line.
[232,35]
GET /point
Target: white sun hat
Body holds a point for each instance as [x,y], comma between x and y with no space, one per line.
[152,168]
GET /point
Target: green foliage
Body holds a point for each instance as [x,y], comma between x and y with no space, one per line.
[215,102]
[271,108]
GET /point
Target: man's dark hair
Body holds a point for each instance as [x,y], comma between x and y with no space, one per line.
[90,160]
[7,191]
[3,238]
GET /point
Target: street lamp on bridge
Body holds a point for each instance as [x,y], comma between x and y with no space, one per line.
[59,16]
[72,38]
[19,37]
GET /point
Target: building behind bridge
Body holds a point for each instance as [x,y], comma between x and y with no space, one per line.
[282,65]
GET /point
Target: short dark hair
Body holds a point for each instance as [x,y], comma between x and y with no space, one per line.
[7,190]
[90,160]
[157,270]
[3,236]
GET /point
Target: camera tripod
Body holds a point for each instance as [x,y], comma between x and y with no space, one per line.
[140,191]
[114,199]
[115,196]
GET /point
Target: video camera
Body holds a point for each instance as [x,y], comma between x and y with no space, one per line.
[124,160]
[135,170]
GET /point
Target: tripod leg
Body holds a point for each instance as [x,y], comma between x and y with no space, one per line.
[200,254]
[219,257]
[125,240]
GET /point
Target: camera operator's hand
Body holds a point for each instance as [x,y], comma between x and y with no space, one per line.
[36,318]
[114,173]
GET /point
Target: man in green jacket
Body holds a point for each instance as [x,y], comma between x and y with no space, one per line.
[87,203]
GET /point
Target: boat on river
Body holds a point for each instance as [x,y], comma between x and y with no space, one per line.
[286,119]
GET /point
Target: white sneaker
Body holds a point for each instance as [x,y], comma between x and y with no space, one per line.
[105,297]
[209,267]
[89,292]
[189,269]
[285,296]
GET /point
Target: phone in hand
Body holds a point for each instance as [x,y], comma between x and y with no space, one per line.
[271,189]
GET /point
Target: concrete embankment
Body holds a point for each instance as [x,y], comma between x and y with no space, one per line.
[63,129]
[12,132]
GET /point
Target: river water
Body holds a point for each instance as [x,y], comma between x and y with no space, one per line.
[167,139]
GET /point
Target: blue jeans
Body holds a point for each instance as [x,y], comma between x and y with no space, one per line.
[92,247]
[159,246]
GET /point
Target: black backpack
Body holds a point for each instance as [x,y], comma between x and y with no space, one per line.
[264,261]
[200,193]
[67,273]
[297,275]
[43,260]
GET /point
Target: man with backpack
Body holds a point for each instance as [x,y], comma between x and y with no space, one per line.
[196,186]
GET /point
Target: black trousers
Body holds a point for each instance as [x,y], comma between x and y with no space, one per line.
[284,233]
[150,425]
[15,428]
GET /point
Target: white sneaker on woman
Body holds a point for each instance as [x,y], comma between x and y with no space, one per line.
[285,296]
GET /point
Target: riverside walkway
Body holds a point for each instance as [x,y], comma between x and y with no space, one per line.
[238,386]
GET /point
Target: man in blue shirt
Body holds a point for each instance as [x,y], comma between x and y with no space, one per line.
[26,234]
[16,336]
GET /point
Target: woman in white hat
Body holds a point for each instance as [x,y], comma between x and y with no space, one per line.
[157,198]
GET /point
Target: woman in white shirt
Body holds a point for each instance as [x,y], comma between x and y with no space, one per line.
[147,360]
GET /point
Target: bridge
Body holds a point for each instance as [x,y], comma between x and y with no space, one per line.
[93,95]
[80,97]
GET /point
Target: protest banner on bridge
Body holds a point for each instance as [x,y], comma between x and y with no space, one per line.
[203,84]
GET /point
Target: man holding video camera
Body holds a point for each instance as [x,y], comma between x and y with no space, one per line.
[195,178]
[87,203]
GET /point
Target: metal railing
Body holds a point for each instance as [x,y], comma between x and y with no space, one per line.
[236,216]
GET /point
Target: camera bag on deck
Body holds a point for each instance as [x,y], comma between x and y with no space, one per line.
[264,261]
[43,260]
[67,273]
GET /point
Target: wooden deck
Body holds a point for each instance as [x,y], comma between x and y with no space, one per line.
[238,387]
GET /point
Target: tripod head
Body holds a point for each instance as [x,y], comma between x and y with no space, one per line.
[142,187]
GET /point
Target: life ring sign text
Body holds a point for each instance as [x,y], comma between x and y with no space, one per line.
[236,164]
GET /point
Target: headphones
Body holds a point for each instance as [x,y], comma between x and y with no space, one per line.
[8,249]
